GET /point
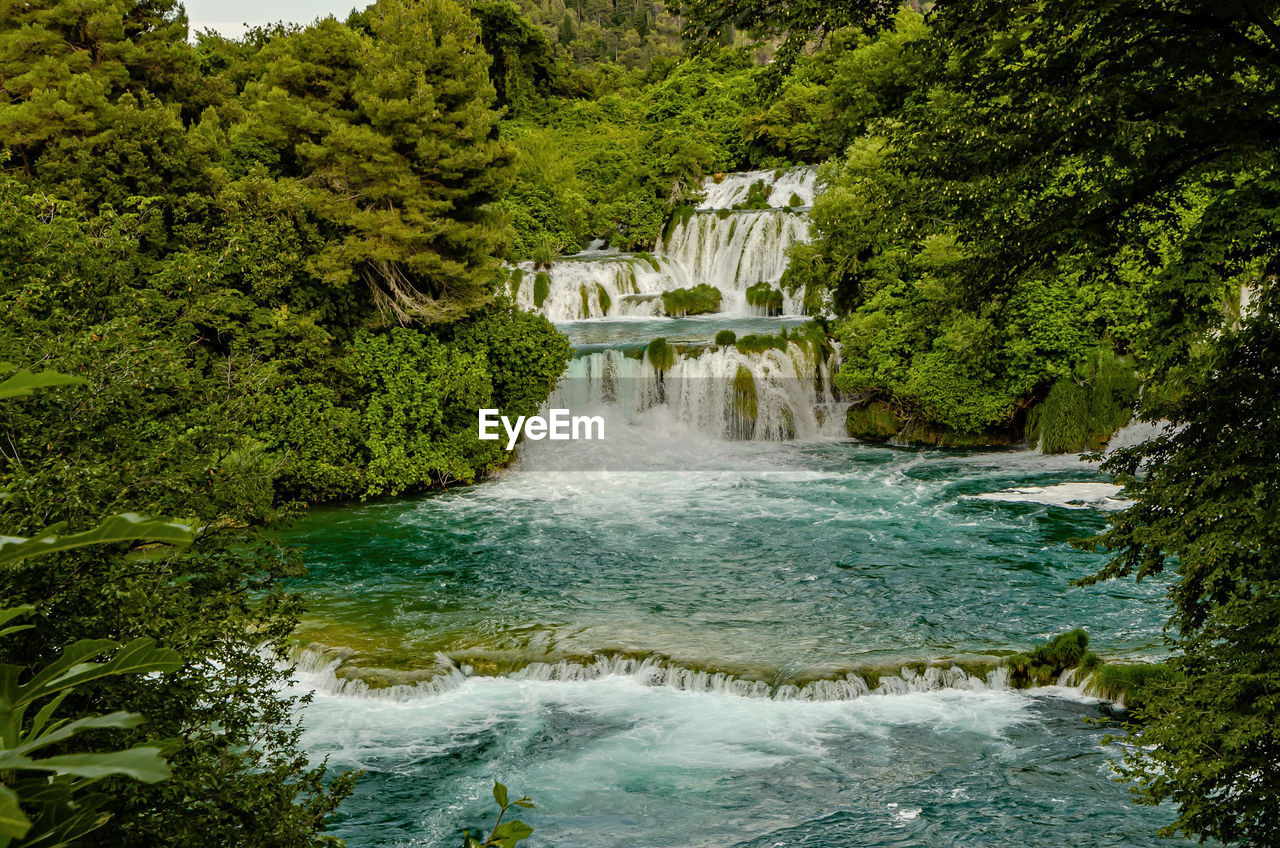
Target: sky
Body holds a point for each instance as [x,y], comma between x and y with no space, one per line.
[229,16]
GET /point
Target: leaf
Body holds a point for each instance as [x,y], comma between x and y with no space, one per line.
[14,824]
[119,720]
[143,763]
[500,794]
[507,834]
[126,527]
[141,656]
[25,382]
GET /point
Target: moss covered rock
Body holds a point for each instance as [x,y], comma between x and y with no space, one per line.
[872,421]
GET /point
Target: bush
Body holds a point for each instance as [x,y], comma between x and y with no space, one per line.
[661,355]
[699,300]
[726,337]
[765,297]
[1083,410]
[1044,664]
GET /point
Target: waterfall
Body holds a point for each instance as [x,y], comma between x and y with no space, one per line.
[722,392]
[715,245]
[734,251]
[596,286]
[732,189]
[322,672]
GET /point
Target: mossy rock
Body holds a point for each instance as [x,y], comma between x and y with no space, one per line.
[874,421]
[1044,664]
[702,299]
[517,277]
[1130,685]
[602,297]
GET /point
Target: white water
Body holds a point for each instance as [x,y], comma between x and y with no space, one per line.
[736,251]
[793,394]
[730,250]
[732,189]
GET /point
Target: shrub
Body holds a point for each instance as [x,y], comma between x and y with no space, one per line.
[699,300]
[765,297]
[661,355]
[726,337]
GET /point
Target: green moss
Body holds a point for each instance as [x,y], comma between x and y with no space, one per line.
[602,297]
[650,258]
[1043,664]
[759,343]
[661,355]
[744,405]
[726,337]
[1129,684]
[873,421]
[517,277]
[723,213]
[699,300]
[541,288]
[766,297]
[681,215]
[757,196]
[796,200]
[1083,410]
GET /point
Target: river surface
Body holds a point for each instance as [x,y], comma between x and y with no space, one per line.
[662,658]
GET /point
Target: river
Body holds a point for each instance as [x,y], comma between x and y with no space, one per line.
[691,634]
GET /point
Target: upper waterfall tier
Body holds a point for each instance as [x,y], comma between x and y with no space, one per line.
[733,189]
[729,250]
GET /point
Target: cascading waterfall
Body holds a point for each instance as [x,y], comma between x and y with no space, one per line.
[733,189]
[773,395]
[716,245]
[323,672]
[737,250]
[620,284]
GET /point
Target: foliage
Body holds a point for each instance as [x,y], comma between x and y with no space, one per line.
[1081,411]
[765,297]
[661,355]
[1206,491]
[1072,176]
[504,834]
[699,300]
[1044,663]
[725,338]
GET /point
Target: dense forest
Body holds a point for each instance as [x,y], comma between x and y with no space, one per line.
[274,271]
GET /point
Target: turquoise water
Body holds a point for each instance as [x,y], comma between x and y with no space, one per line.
[506,614]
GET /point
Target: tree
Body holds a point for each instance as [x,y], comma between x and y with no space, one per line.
[391,134]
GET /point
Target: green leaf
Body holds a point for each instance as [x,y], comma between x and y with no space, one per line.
[500,794]
[141,656]
[507,834]
[14,824]
[25,382]
[127,527]
[143,763]
[119,720]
